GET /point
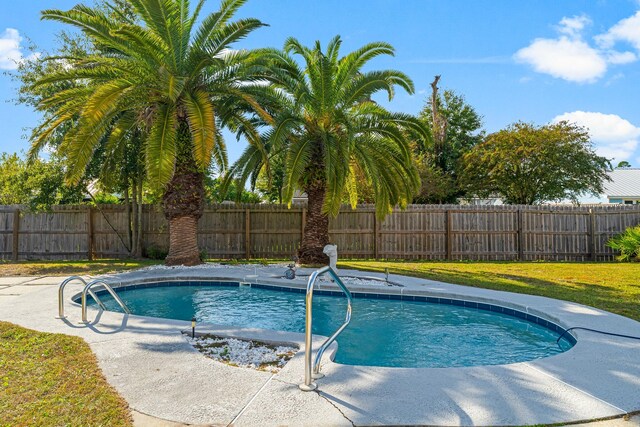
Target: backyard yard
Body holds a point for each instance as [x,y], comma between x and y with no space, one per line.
[130,106]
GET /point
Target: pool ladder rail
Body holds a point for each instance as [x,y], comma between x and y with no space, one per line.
[312,369]
[87,290]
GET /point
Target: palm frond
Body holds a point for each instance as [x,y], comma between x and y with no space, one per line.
[230,33]
[216,20]
[352,187]
[104,99]
[201,118]
[161,146]
[298,158]
[366,84]
[247,164]
[333,49]
[78,147]
[351,64]
[40,135]
[115,147]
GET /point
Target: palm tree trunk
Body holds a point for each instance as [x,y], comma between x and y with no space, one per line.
[183,202]
[316,229]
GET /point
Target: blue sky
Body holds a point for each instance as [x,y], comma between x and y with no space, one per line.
[530,60]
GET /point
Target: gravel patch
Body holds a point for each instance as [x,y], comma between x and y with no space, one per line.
[243,353]
[212,266]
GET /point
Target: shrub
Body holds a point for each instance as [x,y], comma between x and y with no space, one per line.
[156,252]
[627,243]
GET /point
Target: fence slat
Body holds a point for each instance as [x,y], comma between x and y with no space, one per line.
[90,234]
[247,233]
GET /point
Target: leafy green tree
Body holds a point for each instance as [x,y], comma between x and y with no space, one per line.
[328,131]
[624,164]
[456,128]
[216,193]
[272,187]
[120,170]
[526,164]
[437,186]
[38,184]
[463,130]
[158,72]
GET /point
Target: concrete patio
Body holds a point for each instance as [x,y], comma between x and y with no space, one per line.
[153,367]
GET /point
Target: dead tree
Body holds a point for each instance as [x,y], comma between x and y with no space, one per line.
[439,128]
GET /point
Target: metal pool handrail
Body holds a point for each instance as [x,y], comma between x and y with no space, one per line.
[61,295]
[312,370]
[87,289]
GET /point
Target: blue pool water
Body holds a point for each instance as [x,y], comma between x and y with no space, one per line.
[381,332]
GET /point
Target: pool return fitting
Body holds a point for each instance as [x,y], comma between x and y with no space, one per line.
[312,368]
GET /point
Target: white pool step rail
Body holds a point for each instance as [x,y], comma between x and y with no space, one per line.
[312,369]
[64,283]
[88,291]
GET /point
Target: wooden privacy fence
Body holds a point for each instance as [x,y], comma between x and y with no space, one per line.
[455,232]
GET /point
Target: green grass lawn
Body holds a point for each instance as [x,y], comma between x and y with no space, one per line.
[53,268]
[613,287]
[53,380]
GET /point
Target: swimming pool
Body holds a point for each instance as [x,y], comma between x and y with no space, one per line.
[382,332]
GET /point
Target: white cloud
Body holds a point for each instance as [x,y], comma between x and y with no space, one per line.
[565,58]
[573,27]
[10,53]
[613,137]
[613,79]
[571,58]
[627,30]
[617,58]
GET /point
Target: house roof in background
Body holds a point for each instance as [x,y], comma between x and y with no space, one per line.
[625,182]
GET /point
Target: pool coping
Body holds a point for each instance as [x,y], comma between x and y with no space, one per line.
[598,378]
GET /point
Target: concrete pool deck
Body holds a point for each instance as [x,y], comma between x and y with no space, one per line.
[153,367]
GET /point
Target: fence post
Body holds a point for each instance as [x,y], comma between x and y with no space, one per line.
[247,233]
[90,233]
[448,238]
[303,222]
[520,236]
[376,237]
[592,235]
[16,234]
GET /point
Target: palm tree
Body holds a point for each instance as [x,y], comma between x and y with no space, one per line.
[328,132]
[176,82]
